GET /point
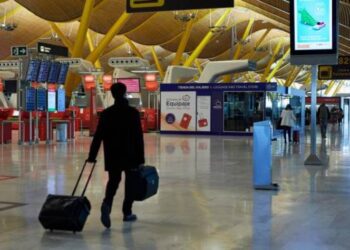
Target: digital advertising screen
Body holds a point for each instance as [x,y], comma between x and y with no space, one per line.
[30,99]
[54,72]
[63,73]
[313,26]
[51,100]
[33,70]
[44,71]
[132,84]
[41,99]
[61,100]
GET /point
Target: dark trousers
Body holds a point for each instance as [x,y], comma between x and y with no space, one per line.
[287,129]
[114,178]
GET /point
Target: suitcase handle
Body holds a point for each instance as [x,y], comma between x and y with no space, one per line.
[88,180]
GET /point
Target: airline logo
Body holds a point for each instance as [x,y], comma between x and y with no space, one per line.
[146,3]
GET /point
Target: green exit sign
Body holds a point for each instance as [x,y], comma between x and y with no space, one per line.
[19,51]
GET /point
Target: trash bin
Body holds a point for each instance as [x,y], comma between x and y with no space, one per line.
[61,132]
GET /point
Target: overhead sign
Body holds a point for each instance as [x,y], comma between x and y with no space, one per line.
[165,5]
[341,71]
[19,51]
[50,49]
[313,31]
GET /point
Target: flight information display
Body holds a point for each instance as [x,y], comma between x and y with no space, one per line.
[63,73]
[54,72]
[30,99]
[44,71]
[41,99]
[33,70]
[61,100]
[51,100]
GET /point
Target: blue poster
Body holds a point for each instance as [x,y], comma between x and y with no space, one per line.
[54,71]
[33,70]
[44,71]
[313,25]
[63,73]
[61,100]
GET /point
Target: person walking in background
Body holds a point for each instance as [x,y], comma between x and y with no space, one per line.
[287,122]
[119,129]
[323,116]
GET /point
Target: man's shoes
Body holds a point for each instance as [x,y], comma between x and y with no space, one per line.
[130,217]
[105,212]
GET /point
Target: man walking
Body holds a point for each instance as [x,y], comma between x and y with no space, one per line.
[120,130]
[323,116]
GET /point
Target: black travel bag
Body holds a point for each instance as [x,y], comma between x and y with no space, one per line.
[66,212]
[143,182]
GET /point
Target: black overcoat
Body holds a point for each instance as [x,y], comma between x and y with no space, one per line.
[119,128]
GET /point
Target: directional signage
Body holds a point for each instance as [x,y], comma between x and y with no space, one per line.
[165,5]
[341,71]
[19,51]
[50,49]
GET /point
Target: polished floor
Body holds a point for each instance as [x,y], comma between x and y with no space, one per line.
[205,200]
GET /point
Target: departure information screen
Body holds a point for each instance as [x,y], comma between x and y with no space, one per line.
[54,72]
[33,70]
[30,99]
[132,84]
[44,71]
[63,73]
[41,99]
[51,100]
[61,100]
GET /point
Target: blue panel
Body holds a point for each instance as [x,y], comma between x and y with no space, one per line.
[33,70]
[63,73]
[30,99]
[44,71]
[41,99]
[54,72]
[61,100]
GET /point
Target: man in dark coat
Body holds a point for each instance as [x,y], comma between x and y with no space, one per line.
[119,129]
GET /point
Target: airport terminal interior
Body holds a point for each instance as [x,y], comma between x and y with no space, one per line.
[212,83]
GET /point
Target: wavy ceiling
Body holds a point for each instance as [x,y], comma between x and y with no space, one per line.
[162,29]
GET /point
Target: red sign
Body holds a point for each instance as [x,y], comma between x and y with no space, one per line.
[326,100]
[89,78]
[152,86]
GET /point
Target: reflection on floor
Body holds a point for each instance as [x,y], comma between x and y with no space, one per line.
[205,201]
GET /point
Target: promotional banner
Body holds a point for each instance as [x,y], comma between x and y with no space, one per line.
[178,111]
[203,113]
[313,25]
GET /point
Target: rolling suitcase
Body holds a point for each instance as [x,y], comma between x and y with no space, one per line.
[66,212]
[143,182]
[296,136]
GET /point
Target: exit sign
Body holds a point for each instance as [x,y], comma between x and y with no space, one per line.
[19,51]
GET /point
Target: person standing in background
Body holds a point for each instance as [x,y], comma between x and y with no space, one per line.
[287,122]
[323,116]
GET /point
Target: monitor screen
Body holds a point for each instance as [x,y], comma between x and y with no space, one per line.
[44,71]
[61,100]
[10,86]
[51,100]
[30,99]
[132,84]
[63,73]
[41,99]
[33,70]
[54,71]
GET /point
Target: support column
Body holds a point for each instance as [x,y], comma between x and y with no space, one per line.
[183,43]
[73,80]
[205,40]
[313,159]
[158,65]
[117,26]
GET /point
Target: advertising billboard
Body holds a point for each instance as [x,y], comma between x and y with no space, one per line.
[61,100]
[51,100]
[178,111]
[314,28]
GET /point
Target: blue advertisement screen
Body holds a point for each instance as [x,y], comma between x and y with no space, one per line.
[44,71]
[30,99]
[33,70]
[63,73]
[41,99]
[313,25]
[54,71]
[51,100]
[61,100]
